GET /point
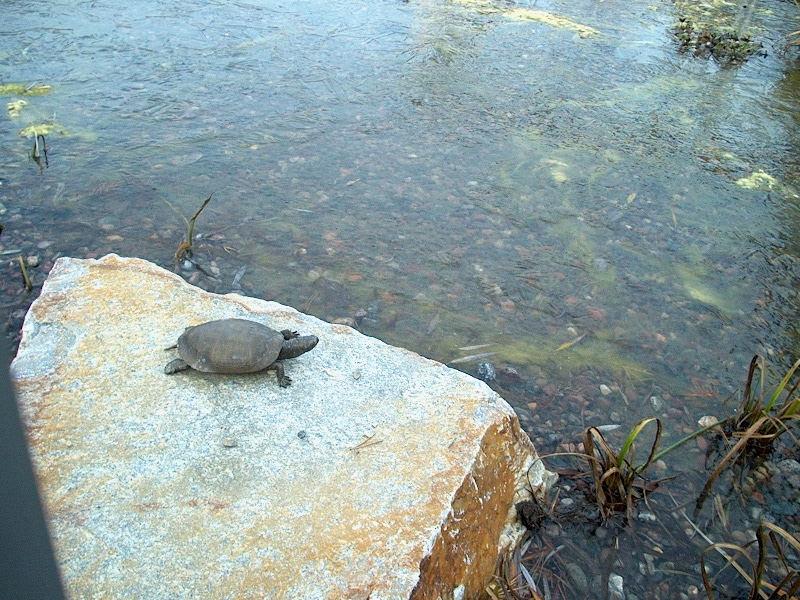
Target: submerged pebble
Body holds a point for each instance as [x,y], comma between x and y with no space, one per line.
[577,577]
[486,371]
[707,421]
[616,589]
[349,321]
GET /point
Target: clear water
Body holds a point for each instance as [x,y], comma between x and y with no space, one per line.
[437,172]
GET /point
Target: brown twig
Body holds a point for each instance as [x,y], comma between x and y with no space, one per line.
[25,277]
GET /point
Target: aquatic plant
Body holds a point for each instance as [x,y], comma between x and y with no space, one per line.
[512,579]
[794,40]
[26,278]
[772,558]
[618,482]
[793,37]
[615,476]
[763,416]
[39,150]
[184,250]
[726,46]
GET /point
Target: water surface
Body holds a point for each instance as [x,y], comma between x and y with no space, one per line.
[601,209]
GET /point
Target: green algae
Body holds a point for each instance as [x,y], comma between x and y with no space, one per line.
[551,19]
[21,89]
[527,14]
[42,129]
[697,287]
[15,108]
[758,180]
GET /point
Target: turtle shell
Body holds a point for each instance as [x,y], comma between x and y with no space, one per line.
[230,346]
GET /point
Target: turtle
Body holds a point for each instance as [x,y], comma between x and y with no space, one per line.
[238,346]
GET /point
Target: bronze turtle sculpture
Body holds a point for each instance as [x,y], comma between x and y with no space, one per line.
[238,346]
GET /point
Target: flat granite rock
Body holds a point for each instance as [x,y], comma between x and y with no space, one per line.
[378,474]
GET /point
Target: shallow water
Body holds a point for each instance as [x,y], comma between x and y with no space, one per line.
[601,209]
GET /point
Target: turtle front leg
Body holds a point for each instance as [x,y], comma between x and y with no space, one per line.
[289,334]
[283,380]
[175,366]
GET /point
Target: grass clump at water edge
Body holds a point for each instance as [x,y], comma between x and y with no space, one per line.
[618,482]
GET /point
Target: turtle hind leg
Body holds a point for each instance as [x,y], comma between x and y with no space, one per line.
[283,379]
[289,334]
[175,366]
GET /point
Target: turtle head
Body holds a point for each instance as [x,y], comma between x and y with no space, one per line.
[296,346]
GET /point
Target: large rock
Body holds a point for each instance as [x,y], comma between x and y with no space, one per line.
[378,474]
